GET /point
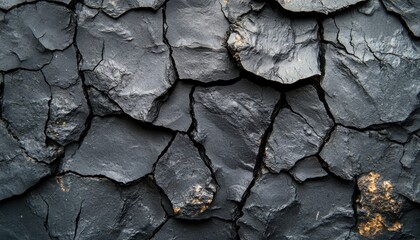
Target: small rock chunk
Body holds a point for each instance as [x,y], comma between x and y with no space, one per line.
[307,168]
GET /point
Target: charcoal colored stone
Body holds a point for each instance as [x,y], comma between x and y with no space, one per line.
[321,6]
[175,111]
[118,148]
[127,58]
[234,9]
[8,4]
[25,109]
[278,208]
[185,178]
[101,104]
[18,171]
[408,10]
[307,168]
[371,82]
[207,230]
[230,123]
[196,32]
[68,114]
[276,47]
[297,132]
[116,8]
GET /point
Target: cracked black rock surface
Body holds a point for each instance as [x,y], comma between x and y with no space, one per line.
[209,119]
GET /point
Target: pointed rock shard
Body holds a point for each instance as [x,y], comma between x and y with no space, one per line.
[126,58]
[308,168]
[196,33]
[185,178]
[408,10]
[371,82]
[321,6]
[276,47]
[118,148]
[231,121]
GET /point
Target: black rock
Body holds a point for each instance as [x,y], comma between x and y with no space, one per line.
[369,81]
[18,171]
[175,111]
[230,123]
[196,32]
[126,58]
[25,108]
[185,178]
[409,11]
[307,168]
[322,6]
[118,148]
[101,104]
[276,47]
[299,132]
[206,229]
[116,8]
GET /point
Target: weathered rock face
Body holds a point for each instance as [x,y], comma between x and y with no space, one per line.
[209,119]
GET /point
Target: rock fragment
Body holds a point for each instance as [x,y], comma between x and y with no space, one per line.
[321,6]
[126,58]
[185,178]
[118,148]
[371,82]
[230,123]
[408,10]
[308,168]
[234,9]
[101,104]
[116,8]
[272,46]
[196,33]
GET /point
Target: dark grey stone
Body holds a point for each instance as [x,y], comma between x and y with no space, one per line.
[408,10]
[299,132]
[276,47]
[26,107]
[185,178]
[230,123]
[101,104]
[322,6]
[196,32]
[175,111]
[118,148]
[307,168]
[371,82]
[126,58]
[18,171]
[8,4]
[278,208]
[68,114]
[116,8]
[207,230]
[234,9]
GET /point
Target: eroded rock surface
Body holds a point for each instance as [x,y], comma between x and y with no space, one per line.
[322,6]
[116,8]
[409,11]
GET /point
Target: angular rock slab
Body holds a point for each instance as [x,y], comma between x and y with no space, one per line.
[25,108]
[126,58]
[231,121]
[371,82]
[278,208]
[276,47]
[101,104]
[297,132]
[30,32]
[408,10]
[185,178]
[18,171]
[206,229]
[116,8]
[196,33]
[307,168]
[118,148]
[321,6]
[350,153]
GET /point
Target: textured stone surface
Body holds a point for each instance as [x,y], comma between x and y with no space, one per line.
[230,123]
[116,8]
[276,47]
[322,6]
[234,9]
[409,11]
[199,45]
[101,104]
[126,58]
[118,148]
[308,168]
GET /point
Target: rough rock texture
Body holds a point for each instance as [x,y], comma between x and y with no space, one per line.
[126,58]
[322,6]
[230,123]
[276,47]
[199,46]
[209,119]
